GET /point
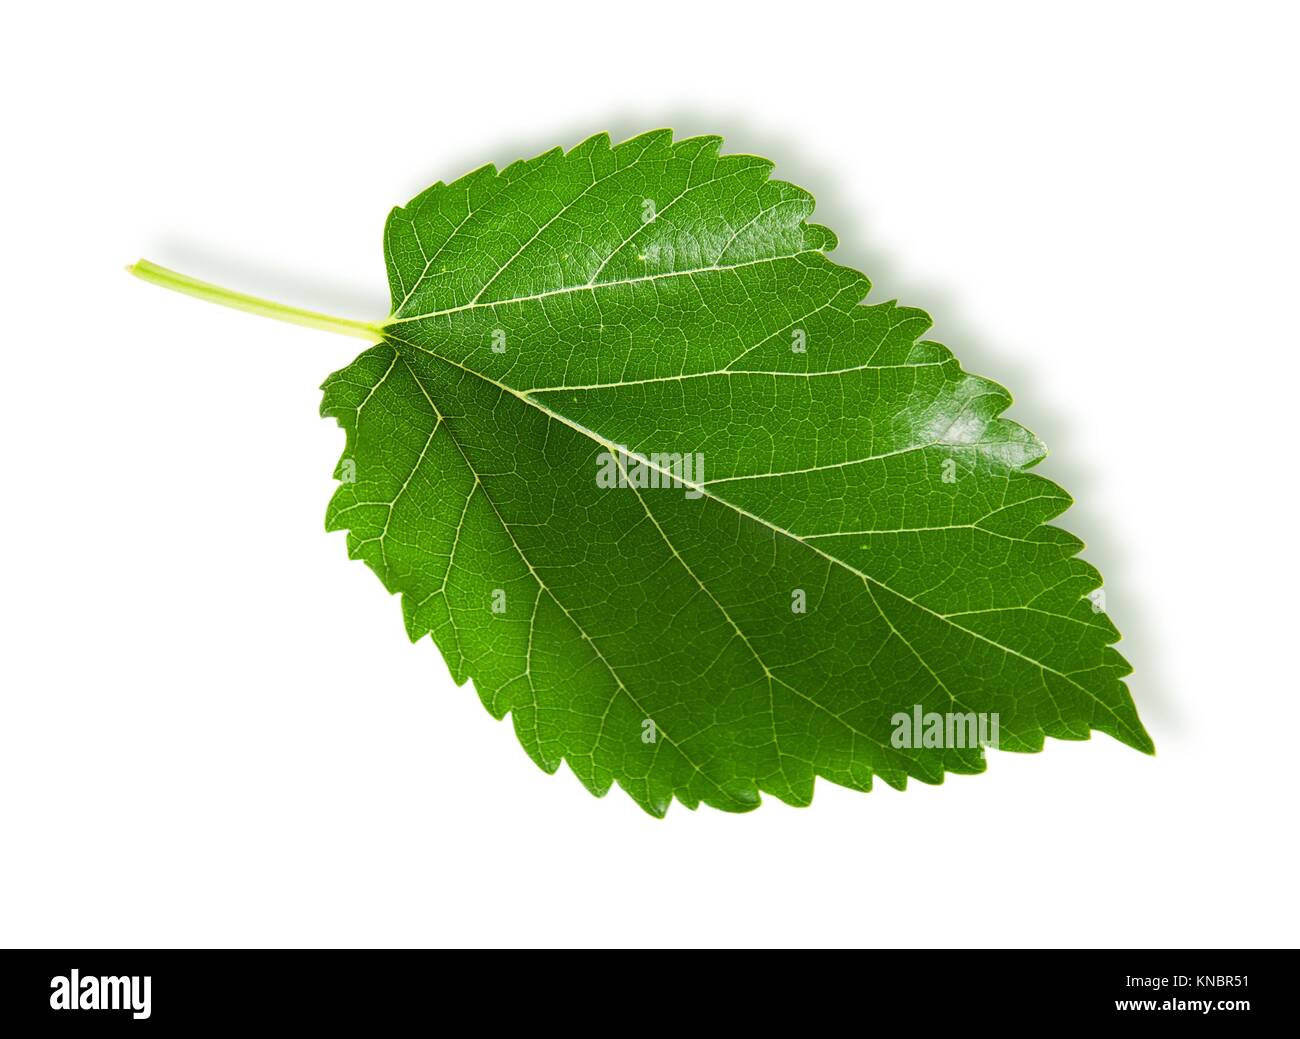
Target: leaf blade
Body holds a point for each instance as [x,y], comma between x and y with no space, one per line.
[479,478]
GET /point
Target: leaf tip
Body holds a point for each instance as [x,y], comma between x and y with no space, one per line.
[1144,742]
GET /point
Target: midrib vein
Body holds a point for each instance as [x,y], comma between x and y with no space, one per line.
[609,445]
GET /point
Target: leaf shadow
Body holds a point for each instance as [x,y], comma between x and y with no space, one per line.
[1128,604]
[247,274]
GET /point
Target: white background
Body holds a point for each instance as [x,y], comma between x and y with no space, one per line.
[213,728]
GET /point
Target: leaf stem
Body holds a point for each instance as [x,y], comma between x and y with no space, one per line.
[169,279]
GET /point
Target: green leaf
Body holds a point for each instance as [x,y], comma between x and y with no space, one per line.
[704,523]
